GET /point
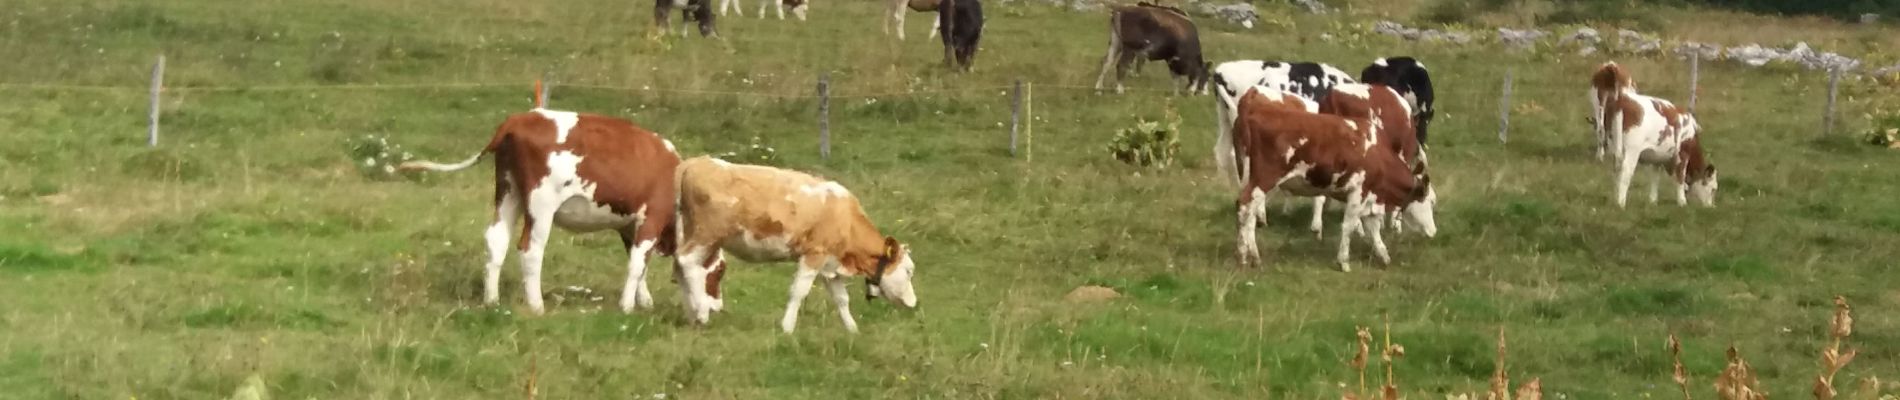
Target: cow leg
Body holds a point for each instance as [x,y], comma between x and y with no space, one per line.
[935,24]
[1350,225]
[841,298]
[895,18]
[1626,169]
[1373,225]
[534,244]
[634,293]
[801,286]
[660,10]
[692,268]
[707,20]
[1247,249]
[1114,49]
[1319,217]
[1655,180]
[507,210]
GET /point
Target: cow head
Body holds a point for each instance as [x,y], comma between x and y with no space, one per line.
[1419,212]
[1702,184]
[893,274]
[1195,70]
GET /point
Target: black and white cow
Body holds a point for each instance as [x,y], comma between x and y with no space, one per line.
[1408,77]
[1311,81]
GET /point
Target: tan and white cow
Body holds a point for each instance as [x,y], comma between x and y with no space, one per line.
[583,173]
[765,214]
[1649,130]
[1279,144]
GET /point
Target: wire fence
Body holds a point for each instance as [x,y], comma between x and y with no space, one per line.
[1020,104]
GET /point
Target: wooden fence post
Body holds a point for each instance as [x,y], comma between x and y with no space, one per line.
[158,83]
[1015,115]
[824,116]
[1504,110]
[1833,89]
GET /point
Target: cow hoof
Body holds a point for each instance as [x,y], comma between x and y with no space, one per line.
[1344,267]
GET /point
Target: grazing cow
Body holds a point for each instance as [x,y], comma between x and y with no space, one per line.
[1148,32]
[1648,130]
[690,10]
[583,173]
[960,22]
[764,214]
[1389,113]
[896,18]
[797,6]
[1609,82]
[1409,78]
[1308,154]
[1232,79]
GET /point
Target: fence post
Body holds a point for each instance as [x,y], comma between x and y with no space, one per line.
[1833,88]
[1695,77]
[1015,115]
[158,83]
[1504,109]
[824,115]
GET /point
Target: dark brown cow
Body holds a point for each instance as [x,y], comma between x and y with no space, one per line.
[1311,154]
[584,173]
[960,22]
[1153,32]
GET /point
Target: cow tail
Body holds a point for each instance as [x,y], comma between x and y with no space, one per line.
[494,144]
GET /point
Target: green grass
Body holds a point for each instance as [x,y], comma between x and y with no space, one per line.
[250,243]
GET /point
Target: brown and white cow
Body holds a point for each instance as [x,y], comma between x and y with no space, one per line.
[1280,145]
[765,214]
[583,173]
[1609,81]
[1392,120]
[1146,32]
[1648,130]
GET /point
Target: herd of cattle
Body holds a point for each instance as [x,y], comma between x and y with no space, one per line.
[1306,128]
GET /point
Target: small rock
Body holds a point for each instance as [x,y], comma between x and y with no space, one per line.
[1091,294]
[1869,19]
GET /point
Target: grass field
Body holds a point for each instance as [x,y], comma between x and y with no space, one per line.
[252,243]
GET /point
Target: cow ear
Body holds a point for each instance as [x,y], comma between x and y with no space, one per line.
[891,247]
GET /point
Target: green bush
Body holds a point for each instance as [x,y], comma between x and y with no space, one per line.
[1884,129]
[1146,144]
